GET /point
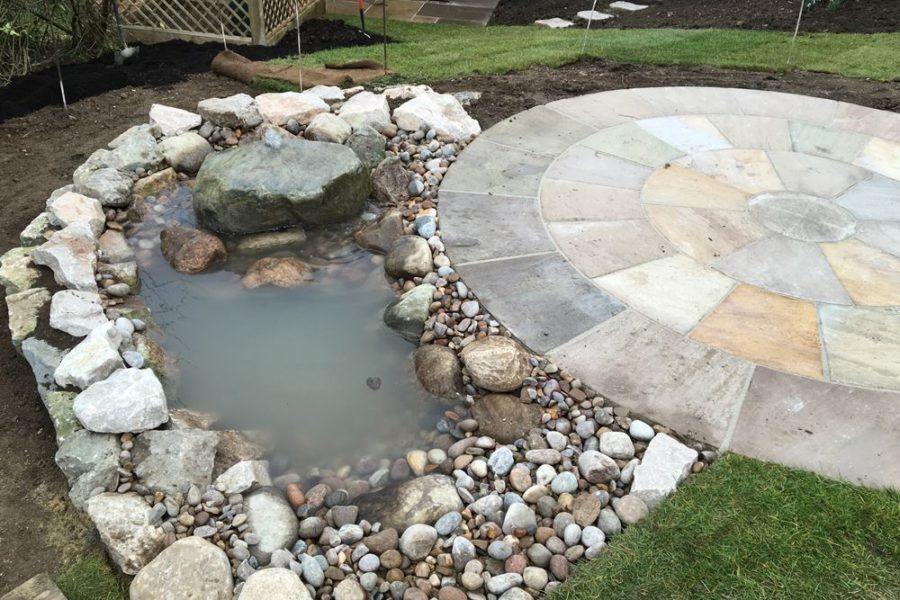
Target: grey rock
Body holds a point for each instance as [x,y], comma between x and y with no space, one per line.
[326,127]
[417,541]
[92,360]
[421,500]
[72,256]
[172,460]
[366,109]
[519,516]
[239,110]
[443,112]
[114,248]
[641,431]
[123,521]
[564,483]
[617,444]
[185,152]
[665,464]
[110,186]
[409,256]
[89,461]
[630,509]
[349,589]
[272,519]
[274,584]
[243,476]
[407,314]
[368,145]
[71,207]
[438,370]
[43,360]
[448,523]
[609,523]
[129,400]
[501,461]
[378,237]
[462,552]
[188,569]
[390,181]
[37,231]
[501,583]
[501,416]
[134,149]
[173,121]
[596,467]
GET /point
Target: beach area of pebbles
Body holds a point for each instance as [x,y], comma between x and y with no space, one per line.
[526,473]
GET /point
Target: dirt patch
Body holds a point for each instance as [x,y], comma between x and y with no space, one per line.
[162,64]
[855,16]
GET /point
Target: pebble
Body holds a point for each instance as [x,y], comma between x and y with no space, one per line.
[369,563]
[448,523]
[641,431]
[501,461]
[564,482]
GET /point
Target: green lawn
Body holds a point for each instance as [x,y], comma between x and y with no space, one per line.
[434,52]
[748,530]
[91,578]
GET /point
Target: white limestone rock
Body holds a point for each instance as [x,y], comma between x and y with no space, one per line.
[443,112]
[173,121]
[185,152]
[279,108]
[73,207]
[406,92]
[239,110]
[190,569]
[93,359]
[592,15]
[367,108]
[72,256]
[77,313]
[665,464]
[327,127]
[243,476]
[554,23]
[274,584]
[129,400]
[123,521]
[328,93]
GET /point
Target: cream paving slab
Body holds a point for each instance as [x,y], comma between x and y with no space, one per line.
[870,276]
[838,431]
[764,133]
[815,175]
[575,201]
[631,142]
[481,227]
[675,291]
[862,119]
[605,109]
[748,170]
[785,266]
[767,329]
[679,186]
[539,130]
[881,156]
[493,169]
[586,165]
[690,100]
[862,345]
[659,373]
[704,235]
[802,217]
[543,300]
[686,133]
[884,236]
[876,198]
[818,111]
[828,143]
[601,247]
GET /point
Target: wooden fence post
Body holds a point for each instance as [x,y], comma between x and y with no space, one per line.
[257,21]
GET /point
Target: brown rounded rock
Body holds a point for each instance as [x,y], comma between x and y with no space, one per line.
[191,250]
[451,593]
[438,370]
[284,272]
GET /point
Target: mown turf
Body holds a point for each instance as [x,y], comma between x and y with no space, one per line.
[422,52]
[91,578]
[752,530]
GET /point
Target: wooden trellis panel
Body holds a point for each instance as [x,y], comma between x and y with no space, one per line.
[242,21]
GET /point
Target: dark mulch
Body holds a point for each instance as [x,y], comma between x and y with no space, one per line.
[854,16]
[162,64]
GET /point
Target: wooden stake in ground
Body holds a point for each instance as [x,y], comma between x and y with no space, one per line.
[796,31]
[224,41]
[588,28]
[62,88]
[299,52]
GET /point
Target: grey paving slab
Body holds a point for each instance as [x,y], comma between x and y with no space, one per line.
[876,198]
[862,345]
[482,227]
[884,236]
[838,431]
[764,133]
[541,299]
[660,374]
[815,175]
[488,168]
[606,109]
[575,201]
[689,100]
[631,142]
[539,130]
[826,142]
[587,165]
[818,111]
[785,266]
[598,248]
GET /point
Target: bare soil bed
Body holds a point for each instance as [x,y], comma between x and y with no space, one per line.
[854,16]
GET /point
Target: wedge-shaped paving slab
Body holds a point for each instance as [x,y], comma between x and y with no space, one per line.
[884,236]
[598,248]
[705,235]
[764,133]
[785,266]
[688,100]
[676,291]
[768,329]
[688,134]
[870,276]
[815,175]
[818,111]
[804,424]
[539,130]
[631,142]
[586,165]
[676,185]
[483,227]
[489,168]
[606,109]
[861,119]
[748,170]
[862,345]
[828,143]
[876,198]
[881,156]
[659,373]
[576,201]
[529,295]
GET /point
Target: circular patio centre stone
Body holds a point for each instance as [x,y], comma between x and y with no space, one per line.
[802,217]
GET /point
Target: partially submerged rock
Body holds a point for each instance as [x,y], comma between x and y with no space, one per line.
[409,256]
[190,569]
[130,400]
[421,500]
[191,250]
[504,417]
[123,521]
[407,314]
[272,519]
[284,272]
[438,370]
[379,236]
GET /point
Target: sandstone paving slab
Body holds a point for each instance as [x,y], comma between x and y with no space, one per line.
[705,235]
[876,198]
[675,291]
[597,248]
[826,142]
[586,165]
[768,329]
[807,109]
[679,186]
[576,201]
[606,109]
[689,100]
[862,119]
[785,266]
[686,133]
[539,130]
[482,227]
[862,345]
[815,175]
[493,169]
[804,424]
[659,373]
[881,156]
[870,276]
[764,133]
[750,171]
[631,142]
[884,236]
[529,294]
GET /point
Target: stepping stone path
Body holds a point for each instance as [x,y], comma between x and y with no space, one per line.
[724,261]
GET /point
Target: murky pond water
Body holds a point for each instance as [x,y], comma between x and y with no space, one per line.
[299,363]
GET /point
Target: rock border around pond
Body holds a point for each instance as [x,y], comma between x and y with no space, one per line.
[528,471]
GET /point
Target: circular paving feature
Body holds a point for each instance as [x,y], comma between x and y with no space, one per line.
[725,261]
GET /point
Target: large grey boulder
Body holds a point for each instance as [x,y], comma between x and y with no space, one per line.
[89,461]
[407,314]
[665,464]
[272,519]
[72,256]
[496,363]
[274,584]
[93,359]
[172,461]
[124,524]
[276,184]
[421,500]
[190,569]
[76,313]
[129,400]
[239,110]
